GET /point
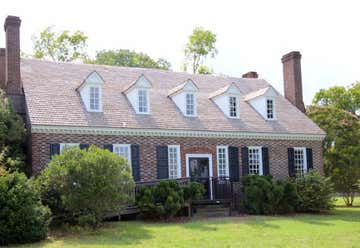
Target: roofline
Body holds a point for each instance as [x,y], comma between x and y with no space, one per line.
[36,128]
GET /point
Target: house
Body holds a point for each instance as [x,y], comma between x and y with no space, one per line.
[167,124]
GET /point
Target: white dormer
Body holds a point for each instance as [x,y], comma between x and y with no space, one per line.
[185,98]
[228,100]
[264,102]
[91,92]
[138,93]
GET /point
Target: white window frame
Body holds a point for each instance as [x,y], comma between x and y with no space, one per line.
[128,146]
[304,158]
[68,145]
[178,161]
[226,160]
[193,105]
[261,168]
[147,101]
[273,109]
[237,107]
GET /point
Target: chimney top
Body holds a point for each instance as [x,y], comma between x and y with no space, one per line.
[12,20]
[250,74]
[291,55]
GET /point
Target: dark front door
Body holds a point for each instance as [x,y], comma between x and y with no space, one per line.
[199,172]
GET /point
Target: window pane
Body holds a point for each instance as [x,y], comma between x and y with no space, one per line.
[299,161]
[123,151]
[233,106]
[254,161]
[190,104]
[94,98]
[270,108]
[143,101]
[222,162]
[173,158]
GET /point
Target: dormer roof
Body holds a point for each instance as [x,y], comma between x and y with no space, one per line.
[92,78]
[267,92]
[140,82]
[188,86]
[232,89]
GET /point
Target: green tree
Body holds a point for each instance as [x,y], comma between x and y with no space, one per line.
[60,47]
[342,148]
[124,57]
[200,45]
[346,98]
[12,134]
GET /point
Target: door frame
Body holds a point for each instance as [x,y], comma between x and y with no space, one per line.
[201,155]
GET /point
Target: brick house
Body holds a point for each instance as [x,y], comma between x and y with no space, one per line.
[167,124]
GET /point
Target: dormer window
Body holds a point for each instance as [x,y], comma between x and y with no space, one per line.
[270,108]
[91,92]
[190,104]
[143,101]
[94,98]
[233,106]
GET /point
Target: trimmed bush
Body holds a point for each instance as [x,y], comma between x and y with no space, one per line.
[85,186]
[22,217]
[193,191]
[315,192]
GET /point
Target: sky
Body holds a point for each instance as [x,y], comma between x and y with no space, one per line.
[251,35]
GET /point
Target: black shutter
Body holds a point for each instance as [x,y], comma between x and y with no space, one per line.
[109,147]
[309,158]
[234,163]
[245,160]
[162,162]
[265,161]
[84,146]
[135,162]
[291,162]
[54,149]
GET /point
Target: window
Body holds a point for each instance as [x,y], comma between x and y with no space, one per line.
[67,145]
[143,101]
[222,161]
[94,98]
[123,150]
[270,109]
[300,161]
[255,161]
[174,161]
[190,104]
[232,106]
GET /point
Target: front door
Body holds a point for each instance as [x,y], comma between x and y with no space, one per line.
[199,172]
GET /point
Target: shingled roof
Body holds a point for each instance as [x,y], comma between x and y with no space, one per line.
[52,99]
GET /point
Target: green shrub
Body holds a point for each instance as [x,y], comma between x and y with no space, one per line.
[165,199]
[263,196]
[84,186]
[22,217]
[315,192]
[193,191]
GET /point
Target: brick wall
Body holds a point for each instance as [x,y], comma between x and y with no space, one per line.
[40,144]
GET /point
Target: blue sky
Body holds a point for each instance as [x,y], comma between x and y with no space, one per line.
[252,35]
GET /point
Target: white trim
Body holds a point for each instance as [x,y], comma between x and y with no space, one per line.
[147,95]
[129,149]
[170,133]
[226,159]
[261,166]
[201,155]
[194,104]
[305,157]
[178,160]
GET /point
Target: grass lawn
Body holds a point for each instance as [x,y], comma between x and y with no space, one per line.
[340,228]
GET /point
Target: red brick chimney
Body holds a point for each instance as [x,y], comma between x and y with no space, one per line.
[12,56]
[292,79]
[2,68]
[250,74]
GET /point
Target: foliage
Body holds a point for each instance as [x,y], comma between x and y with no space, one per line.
[342,148]
[340,97]
[263,196]
[201,43]
[315,192]
[165,199]
[83,186]
[22,217]
[193,191]
[60,47]
[12,135]
[124,57]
